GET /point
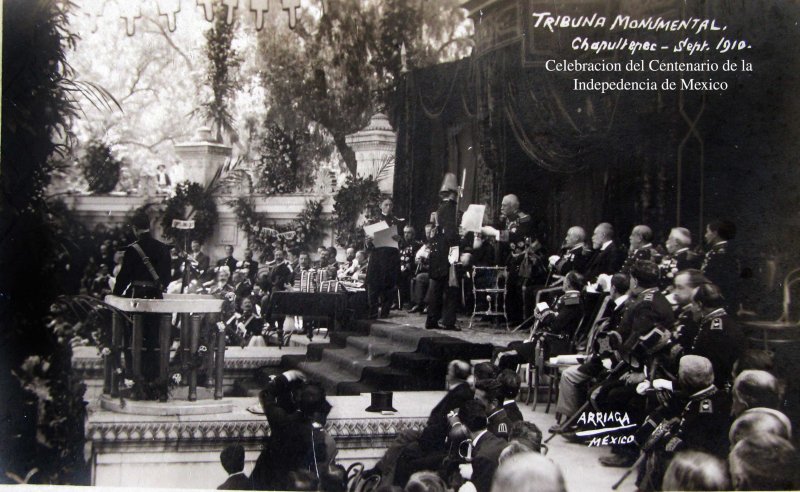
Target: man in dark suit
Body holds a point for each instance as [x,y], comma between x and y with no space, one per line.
[251,265]
[232,459]
[384,266]
[486,447]
[641,248]
[296,413]
[608,257]
[200,261]
[509,389]
[229,260]
[442,295]
[144,274]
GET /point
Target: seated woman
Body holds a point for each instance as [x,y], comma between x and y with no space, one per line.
[555,327]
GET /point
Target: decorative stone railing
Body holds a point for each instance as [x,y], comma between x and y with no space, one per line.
[190,308]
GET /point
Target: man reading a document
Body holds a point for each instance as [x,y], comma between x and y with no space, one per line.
[384,262]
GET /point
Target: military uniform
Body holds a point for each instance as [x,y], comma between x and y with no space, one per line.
[383,272]
[516,235]
[701,425]
[407,268]
[720,340]
[499,423]
[721,266]
[442,297]
[646,252]
[648,309]
[576,258]
[559,324]
[682,259]
[135,280]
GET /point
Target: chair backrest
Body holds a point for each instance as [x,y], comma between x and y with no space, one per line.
[597,320]
[488,277]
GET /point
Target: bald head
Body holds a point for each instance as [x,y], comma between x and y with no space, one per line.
[679,238]
[641,235]
[603,233]
[754,388]
[524,472]
[575,236]
[758,421]
[509,205]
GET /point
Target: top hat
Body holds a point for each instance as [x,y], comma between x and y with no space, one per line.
[381,402]
[449,183]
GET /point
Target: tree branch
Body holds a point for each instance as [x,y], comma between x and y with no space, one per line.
[165,34]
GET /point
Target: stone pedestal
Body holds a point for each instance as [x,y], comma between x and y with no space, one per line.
[201,157]
[183,451]
[375,147]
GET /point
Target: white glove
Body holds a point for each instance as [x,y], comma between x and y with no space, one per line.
[293,374]
[465,470]
[642,387]
[554,259]
[662,384]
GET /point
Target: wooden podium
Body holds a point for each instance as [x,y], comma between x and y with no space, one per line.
[190,308]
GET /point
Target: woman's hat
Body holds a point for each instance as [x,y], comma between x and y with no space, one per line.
[381,402]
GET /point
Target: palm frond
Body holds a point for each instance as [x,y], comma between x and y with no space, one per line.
[83,305]
[386,166]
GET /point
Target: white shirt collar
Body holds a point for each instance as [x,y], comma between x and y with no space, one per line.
[237,473]
[508,402]
[605,245]
[619,301]
[682,250]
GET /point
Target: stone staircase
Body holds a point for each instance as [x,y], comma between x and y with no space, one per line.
[383,355]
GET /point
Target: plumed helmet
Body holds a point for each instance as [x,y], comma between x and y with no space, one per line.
[449,183]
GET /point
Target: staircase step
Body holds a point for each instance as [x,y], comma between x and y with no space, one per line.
[326,374]
[378,345]
[353,361]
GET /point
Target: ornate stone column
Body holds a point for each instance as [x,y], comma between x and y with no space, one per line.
[201,157]
[375,148]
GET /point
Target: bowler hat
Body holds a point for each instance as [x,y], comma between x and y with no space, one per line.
[381,402]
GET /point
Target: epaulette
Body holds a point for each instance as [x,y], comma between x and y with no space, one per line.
[523,217]
[706,406]
[571,298]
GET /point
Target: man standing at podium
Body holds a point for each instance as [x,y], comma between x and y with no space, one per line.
[143,275]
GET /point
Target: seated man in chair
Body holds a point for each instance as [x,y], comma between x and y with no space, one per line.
[555,326]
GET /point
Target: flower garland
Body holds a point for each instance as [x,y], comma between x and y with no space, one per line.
[204,212]
[358,195]
[305,233]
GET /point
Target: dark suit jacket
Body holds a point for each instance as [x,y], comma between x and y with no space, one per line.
[435,432]
[446,237]
[203,262]
[230,262]
[484,460]
[134,270]
[239,481]
[608,261]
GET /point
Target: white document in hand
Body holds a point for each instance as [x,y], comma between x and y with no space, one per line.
[384,238]
[472,220]
[371,229]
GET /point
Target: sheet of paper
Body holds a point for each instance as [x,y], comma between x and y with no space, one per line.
[384,237]
[371,229]
[472,220]
[452,255]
